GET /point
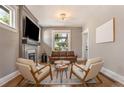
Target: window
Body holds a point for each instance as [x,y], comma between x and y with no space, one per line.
[61,41]
[7,16]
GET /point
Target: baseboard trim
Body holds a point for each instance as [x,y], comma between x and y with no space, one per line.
[9,77]
[113,75]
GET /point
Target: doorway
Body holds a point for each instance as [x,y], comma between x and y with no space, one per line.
[85,44]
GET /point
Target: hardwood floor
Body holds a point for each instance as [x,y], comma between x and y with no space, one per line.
[107,82]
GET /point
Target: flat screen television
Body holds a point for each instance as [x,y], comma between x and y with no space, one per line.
[31,30]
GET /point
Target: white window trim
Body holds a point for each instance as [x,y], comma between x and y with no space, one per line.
[15,19]
[61,31]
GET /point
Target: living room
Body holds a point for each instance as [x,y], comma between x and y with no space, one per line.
[70,23]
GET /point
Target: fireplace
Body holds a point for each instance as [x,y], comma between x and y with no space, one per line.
[31,54]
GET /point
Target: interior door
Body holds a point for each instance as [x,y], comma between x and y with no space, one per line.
[85,44]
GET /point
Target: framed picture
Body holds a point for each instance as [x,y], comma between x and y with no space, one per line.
[105,32]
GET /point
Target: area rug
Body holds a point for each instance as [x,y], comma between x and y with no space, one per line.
[73,80]
[65,80]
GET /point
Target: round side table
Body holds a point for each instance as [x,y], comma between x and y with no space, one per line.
[60,68]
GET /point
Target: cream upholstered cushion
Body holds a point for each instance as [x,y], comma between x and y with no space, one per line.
[93,60]
[43,73]
[28,62]
[78,72]
[94,70]
[26,67]
[82,66]
[89,62]
[25,71]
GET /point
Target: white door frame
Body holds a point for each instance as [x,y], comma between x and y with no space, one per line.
[62,31]
[86,31]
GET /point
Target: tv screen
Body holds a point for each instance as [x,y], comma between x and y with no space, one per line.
[31,30]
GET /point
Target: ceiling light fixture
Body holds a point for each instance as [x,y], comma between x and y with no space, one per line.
[63,16]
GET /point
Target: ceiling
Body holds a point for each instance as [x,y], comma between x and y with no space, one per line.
[79,14]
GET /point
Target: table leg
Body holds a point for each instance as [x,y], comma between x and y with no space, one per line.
[66,73]
[61,76]
[57,74]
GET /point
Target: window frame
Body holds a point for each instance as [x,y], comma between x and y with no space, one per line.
[61,31]
[13,19]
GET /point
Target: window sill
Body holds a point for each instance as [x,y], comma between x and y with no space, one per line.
[7,27]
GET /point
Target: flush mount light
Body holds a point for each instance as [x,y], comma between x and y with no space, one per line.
[63,15]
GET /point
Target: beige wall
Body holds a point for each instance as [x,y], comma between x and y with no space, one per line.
[8,51]
[112,53]
[76,39]
[9,48]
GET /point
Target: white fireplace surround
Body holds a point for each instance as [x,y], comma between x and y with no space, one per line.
[30,51]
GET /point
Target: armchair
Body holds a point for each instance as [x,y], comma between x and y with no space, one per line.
[29,71]
[88,71]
